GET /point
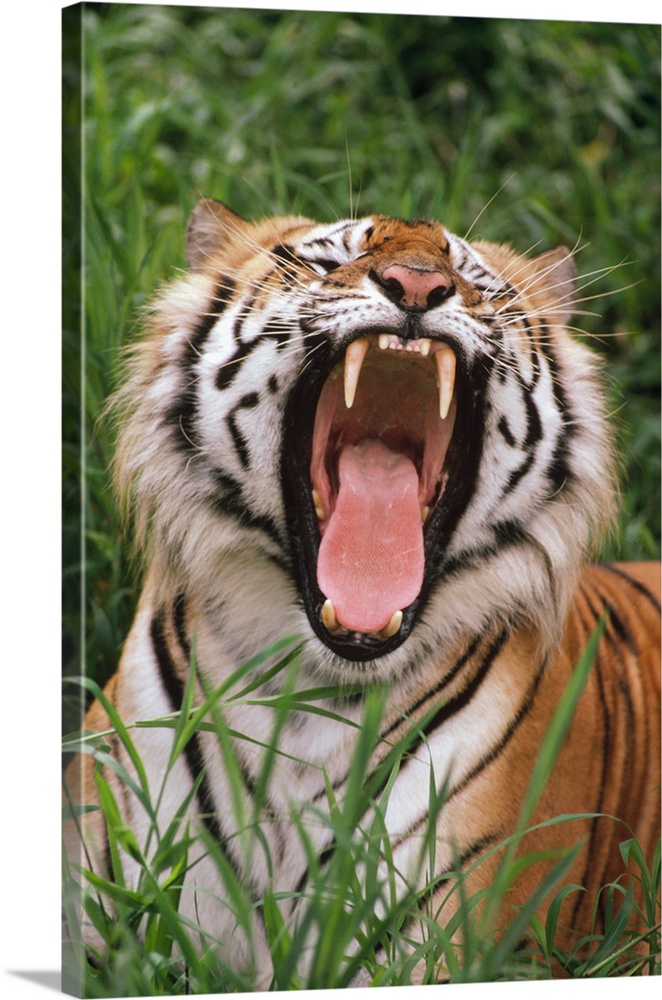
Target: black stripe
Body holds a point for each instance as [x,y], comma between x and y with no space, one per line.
[182,415]
[434,692]
[426,896]
[419,734]
[327,263]
[228,371]
[638,586]
[192,751]
[208,812]
[115,752]
[507,534]
[558,470]
[430,696]
[289,263]
[461,700]
[230,502]
[533,435]
[508,734]
[624,635]
[350,224]
[221,298]
[247,402]
[285,253]
[506,432]
[618,632]
[179,620]
[272,330]
[171,681]
[107,856]
[534,430]
[246,307]
[493,752]
[469,855]
[519,473]
[589,626]
[319,241]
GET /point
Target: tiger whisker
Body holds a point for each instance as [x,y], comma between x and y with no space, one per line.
[487,205]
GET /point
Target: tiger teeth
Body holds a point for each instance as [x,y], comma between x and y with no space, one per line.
[445,359]
[318,503]
[393,626]
[331,623]
[354,357]
[387,341]
[329,616]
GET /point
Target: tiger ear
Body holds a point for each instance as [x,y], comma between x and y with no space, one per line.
[556,277]
[210,225]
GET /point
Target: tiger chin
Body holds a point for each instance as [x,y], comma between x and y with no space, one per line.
[382,438]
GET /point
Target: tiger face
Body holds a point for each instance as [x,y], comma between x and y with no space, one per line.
[370,432]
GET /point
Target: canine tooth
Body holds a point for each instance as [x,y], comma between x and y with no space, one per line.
[329,616]
[445,358]
[353,361]
[319,505]
[383,341]
[424,347]
[393,626]
[425,510]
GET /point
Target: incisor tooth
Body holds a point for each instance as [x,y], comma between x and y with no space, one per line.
[445,358]
[424,347]
[353,361]
[329,616]
[393,626]
[383,341]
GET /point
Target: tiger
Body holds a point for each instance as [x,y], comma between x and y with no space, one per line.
[383,439]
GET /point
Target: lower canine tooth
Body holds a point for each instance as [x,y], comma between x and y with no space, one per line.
[445,359]
[319,506]
[393,626]
[329,616]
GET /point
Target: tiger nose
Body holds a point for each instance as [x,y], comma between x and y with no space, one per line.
[416,288]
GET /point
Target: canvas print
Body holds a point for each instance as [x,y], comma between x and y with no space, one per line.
[362,505]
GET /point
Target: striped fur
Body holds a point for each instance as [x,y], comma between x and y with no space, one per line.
[214,464]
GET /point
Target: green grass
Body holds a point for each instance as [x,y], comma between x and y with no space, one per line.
[534,133]
[352,918]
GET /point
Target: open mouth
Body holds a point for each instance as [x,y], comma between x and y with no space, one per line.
[372,443]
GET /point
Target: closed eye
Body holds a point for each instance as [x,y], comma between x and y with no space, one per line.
[326,265]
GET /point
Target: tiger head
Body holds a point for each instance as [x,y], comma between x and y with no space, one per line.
[370,432]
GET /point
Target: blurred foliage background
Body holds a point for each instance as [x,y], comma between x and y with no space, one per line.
[532,132]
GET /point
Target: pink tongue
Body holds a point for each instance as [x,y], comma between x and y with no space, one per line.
[370,561]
